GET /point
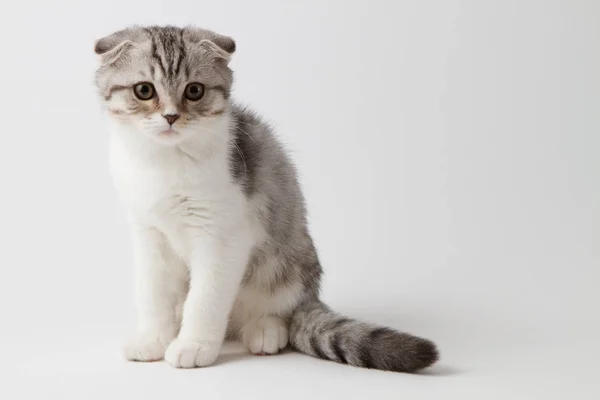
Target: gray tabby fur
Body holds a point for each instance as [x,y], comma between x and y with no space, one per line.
[261,167]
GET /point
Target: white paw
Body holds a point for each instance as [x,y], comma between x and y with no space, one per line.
[186,353]
[146,347]
[266,335]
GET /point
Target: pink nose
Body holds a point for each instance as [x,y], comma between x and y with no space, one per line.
[171,118]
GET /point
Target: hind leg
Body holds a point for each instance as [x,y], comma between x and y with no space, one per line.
[265,335]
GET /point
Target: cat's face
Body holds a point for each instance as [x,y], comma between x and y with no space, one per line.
[165,82]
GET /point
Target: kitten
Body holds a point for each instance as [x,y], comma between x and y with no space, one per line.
[217,218]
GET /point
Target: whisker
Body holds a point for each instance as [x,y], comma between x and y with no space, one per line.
[242,156]
[247,134]
[246,123]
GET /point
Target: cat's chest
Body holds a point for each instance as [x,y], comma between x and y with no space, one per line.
[171,191]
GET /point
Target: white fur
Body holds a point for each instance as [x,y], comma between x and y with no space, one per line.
[265,335]
[192,227]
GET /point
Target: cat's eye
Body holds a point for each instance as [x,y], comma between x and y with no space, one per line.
[194,91]
[144,91]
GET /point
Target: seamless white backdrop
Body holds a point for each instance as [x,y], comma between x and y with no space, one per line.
[449,155]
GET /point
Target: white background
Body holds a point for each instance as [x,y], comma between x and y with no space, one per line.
[449,152]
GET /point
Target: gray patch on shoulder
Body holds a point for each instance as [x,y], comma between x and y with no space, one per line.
[261,166]
[244,151]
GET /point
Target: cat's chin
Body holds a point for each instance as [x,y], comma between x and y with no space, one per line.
[167,137]
[169,134]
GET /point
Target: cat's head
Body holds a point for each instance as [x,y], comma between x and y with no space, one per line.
[165,82]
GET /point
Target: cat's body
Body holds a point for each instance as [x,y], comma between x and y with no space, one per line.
[217,216]
[171,190]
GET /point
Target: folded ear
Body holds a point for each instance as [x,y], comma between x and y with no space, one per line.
[215,51]
[218,46]
[115,47]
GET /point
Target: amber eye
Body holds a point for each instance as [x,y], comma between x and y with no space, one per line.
[144,91]
[194,91]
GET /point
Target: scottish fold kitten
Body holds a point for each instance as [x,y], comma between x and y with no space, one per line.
[217,218]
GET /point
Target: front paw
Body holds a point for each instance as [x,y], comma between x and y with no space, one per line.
[186,353]
[146,347]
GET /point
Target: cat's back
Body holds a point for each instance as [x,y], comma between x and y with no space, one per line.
[260,163]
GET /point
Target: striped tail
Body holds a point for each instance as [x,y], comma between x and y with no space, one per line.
[317,331]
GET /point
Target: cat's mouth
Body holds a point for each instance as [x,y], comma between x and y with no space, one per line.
[169,132]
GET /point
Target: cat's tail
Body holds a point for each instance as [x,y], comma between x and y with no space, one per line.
[317,331]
